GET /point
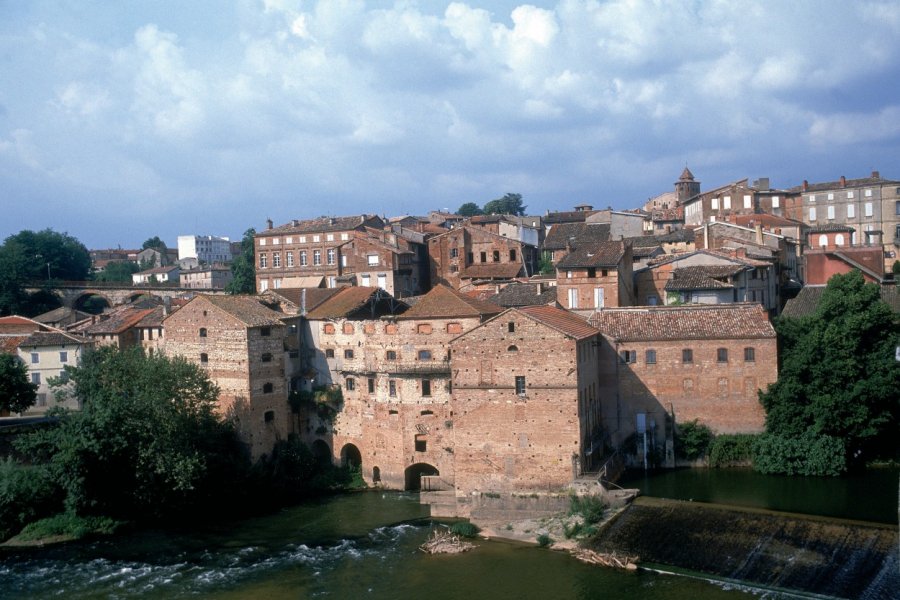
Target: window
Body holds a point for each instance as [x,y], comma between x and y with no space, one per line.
[265,331]
[512,255]
[350,384]
[747,201]
[715,204]
[426,387]
[382,281]
[512,348]
[598,298]
[652,300]
[269,416]
[471,257]
[496,256]
[263,261]
[483,256]
[303,259]
[812,213]
[722,355]
[371,383]
[329,353]
[421,442]
[348,353]
[839,239]
[328,328]
[302,239]
[776,202]
[392,388]
[749,354]
[454,252]
[511,327]
[290,258]
[275,241]
[366,280]
[317,238]
[424,328]
[267,388]
[520,385]
[329,237]
[424,354]
[266,357]
[812,197]
[831,195]
[823,240]
[204,357]
[63,357]
[345,237]
[831,212]
[454,328]
[726,202]
[849,194]
[331,256]
[851,211]
[868,209]
[203,332]
[276,259]
[650,357]
[317,257]
[868,193]
[897,207]
[36,378]
[629,356]
[35,358]
[573,297]
[687,356]
[391,355]
[372,260]
[348,328]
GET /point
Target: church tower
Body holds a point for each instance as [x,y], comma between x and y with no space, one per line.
[686,187]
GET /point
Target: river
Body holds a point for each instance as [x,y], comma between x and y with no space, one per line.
[362,545]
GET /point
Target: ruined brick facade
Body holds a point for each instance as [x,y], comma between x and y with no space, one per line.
[469,254]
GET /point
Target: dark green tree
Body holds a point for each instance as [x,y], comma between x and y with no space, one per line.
[155,243]
[469,209]
[17,393]
[243,267]
[837,386]
[510,204]
[120,270]
[147,442]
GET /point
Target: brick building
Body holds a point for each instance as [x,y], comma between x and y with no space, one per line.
[526,402]
[596,275]
[468,257]
[684,363]
[830,253]
[244,347]
[736,198]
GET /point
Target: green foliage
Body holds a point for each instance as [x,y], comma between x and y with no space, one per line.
[838,378]
[544,540]
[895,268]
[692,440]
[119,271]
[464,529]
[591,508]
[147,442]
[243,267]
[545,267]
[154,243]
[17,393]
[469,209]
[69,525]
[26,493]
[809,454]
[510,204]
[730,450]
[43,257]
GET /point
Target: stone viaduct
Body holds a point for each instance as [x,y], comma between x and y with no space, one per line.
[74,293]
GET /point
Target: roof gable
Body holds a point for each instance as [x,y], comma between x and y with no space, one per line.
[687,322]
[353,301]
[443,301]
[598,254]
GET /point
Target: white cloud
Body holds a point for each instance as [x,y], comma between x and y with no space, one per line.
[83,99]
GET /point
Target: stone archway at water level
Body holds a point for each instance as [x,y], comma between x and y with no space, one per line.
[414,473]
[351,457]
[322,452]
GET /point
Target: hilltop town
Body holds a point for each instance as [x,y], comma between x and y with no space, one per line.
[488,353]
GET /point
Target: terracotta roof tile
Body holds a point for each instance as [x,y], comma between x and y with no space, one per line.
[324,224]
[53,338]
[9,344]
[599,254]
[691,322]
[118,321]
[702,277]
[314,295]
[349,300]
[575,234]
[249,310]
[492,271]
[523,294]
[561,320]
[830,227]
[849,183]
[443,301]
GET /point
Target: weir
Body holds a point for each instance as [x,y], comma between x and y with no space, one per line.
[831,557]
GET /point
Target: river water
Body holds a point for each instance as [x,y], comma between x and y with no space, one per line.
[362,545]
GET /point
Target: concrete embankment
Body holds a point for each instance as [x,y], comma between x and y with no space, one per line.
[837,558]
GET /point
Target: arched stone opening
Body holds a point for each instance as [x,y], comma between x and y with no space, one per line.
[414,473]
[351,456]
[376,475]
[321,452]
[139,296]
[91,302]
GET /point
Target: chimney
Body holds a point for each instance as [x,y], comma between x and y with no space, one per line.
[303,301]
[876,175]
[167,306]
[759,234]
[843,181]
[331,221]
[268,223]
[295,222]
[805,185]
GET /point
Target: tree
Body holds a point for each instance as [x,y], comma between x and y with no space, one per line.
[510,204]
[469,209]
[155,243]
[838,382]
[147,442]
[243,267]
[17,394]
[120,270]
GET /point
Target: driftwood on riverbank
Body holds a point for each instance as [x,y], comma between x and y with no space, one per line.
[614,560]
[444,542]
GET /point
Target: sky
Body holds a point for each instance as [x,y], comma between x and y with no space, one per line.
[124,120]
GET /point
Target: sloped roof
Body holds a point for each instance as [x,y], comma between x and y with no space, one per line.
[848,183]
[443,301]
[59,314]
[15,323]
[323,224]
[598,254]
[10,343]
[53,338]
[568,216]
[314,295]
[690,322]
[118,321]
[247,309]
[702,277]
[154,318]
[764,219]
[349,300]
[492,271]
[575,234]
[830,227]
[807,300]
[561,320]
[523,294]
[158,270]
[646,251]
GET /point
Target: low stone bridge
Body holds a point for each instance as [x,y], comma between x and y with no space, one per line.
[73,294]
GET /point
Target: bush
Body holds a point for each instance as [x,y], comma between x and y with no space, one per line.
[692,440]
[591,508]
[26,494]
[69,525]
[810,454]
[544,540]
[731,450]
[464,529]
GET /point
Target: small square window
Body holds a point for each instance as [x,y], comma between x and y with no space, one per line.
[329,353]
[650,357]
[36,378]
[722,355]
[520,385]
[687,356]
[350,384]
[511,327]
[265,331]
[629,356]
[35,358]
[348,353]
[749,355]
[426,387]
[391,355]
[268,388]
[424,354]
[269,416]
[63,357]
[392,388]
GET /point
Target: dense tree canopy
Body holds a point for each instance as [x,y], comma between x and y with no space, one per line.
[469,209]
[510,204]
[243,267]
[17,393]
[836,399]
[119,270]
[154,242]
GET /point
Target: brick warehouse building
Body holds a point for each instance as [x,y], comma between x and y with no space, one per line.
[704,362]
[526,402]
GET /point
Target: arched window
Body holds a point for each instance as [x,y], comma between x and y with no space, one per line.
[513,348]
[839,239]
[823,240]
